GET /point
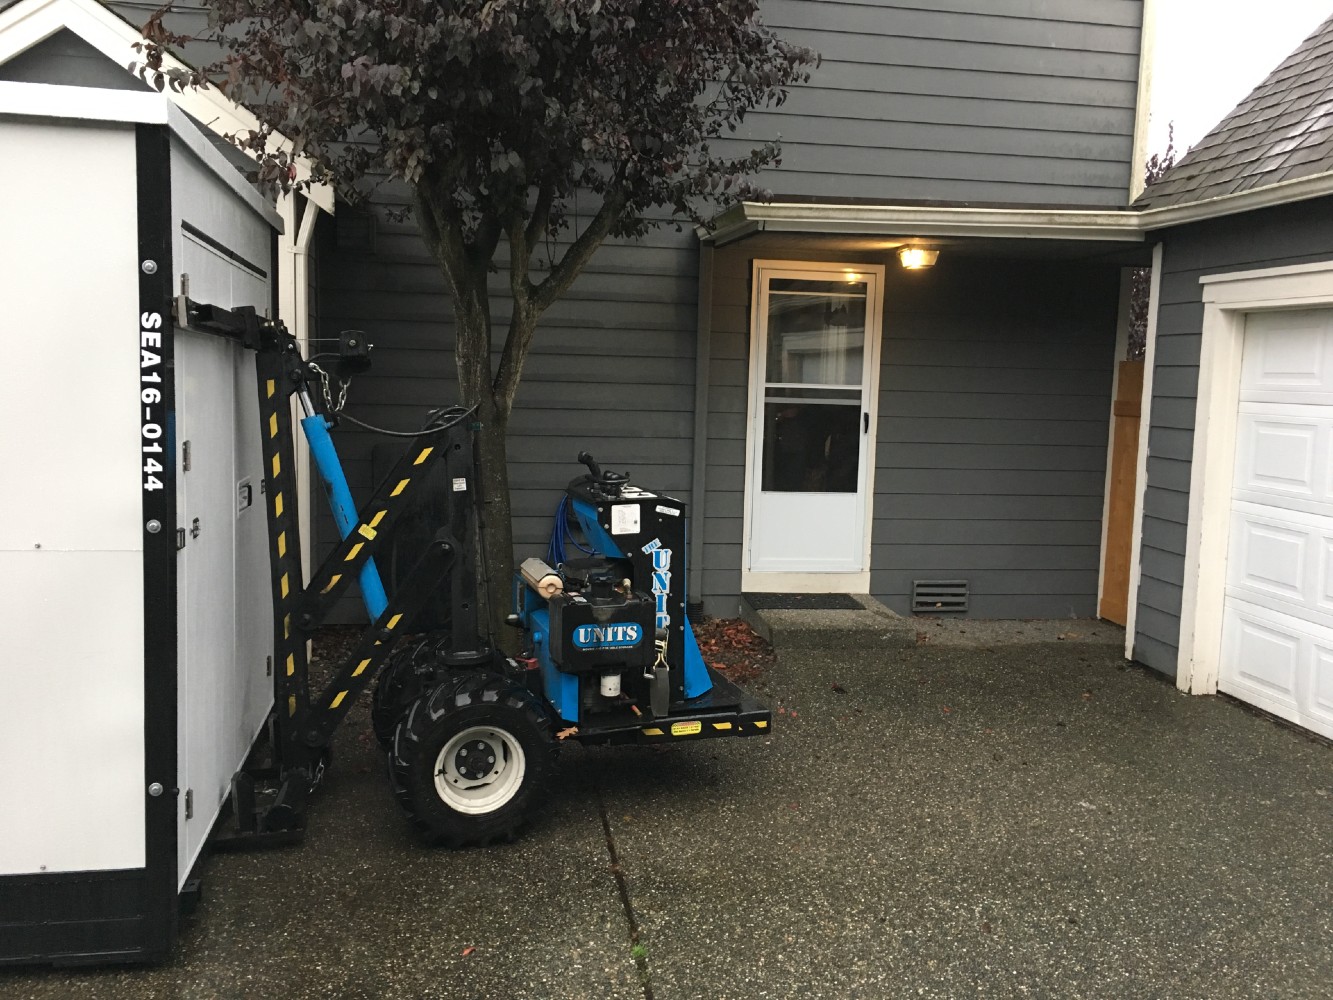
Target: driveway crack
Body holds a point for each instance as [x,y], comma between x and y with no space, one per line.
[637,950]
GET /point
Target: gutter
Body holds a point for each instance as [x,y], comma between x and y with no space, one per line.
[1124,225]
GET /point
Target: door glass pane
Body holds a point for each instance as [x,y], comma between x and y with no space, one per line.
[811,447]
[816,332]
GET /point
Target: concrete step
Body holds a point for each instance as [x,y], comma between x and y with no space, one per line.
[869,625]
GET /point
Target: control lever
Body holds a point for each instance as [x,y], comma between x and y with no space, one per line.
[592,465]
[610,482]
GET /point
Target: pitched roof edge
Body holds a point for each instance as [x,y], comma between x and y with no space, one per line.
[28,22]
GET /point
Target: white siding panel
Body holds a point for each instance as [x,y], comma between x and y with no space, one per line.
[71,719]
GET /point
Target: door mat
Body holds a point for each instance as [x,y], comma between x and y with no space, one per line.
[803,602]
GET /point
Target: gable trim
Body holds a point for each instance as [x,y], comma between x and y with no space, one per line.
[30,22]
[1143,101]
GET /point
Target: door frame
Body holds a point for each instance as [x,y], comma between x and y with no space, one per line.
[1227,300]
[853,583]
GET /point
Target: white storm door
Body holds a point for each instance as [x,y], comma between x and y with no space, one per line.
[1277,622]
[811,428]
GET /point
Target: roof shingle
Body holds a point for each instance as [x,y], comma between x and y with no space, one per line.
[1282,130]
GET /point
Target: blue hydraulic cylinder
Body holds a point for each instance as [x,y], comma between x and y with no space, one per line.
[344,509]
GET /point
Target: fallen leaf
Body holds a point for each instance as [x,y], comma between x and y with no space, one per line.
[1087,696]
[468,951]
[839,688]
[566,733]
[792,714]
[945,709]
[922,638]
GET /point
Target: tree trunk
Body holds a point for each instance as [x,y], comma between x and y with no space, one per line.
[496,543]
[465,266]
[497,532]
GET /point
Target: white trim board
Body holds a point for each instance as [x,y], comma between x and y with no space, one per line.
[1227,299]
[1143,100]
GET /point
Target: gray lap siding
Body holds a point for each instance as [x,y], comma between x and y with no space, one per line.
[611,370]
[1290,234]
[993,411]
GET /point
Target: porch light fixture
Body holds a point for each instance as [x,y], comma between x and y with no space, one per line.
[916,258]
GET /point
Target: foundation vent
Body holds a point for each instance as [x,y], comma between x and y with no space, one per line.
[939,595]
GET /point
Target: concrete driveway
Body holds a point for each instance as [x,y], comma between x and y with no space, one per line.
[974,816]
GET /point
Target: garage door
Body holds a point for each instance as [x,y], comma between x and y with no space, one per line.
[1277,633]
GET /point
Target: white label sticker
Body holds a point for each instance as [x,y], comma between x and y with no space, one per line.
[668,510]
[460,485]
[625,519]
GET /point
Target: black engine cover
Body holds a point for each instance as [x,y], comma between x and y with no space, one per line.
[592,638]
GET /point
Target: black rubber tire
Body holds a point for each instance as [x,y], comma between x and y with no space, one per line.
[477,698]
[399,685]
[410,671]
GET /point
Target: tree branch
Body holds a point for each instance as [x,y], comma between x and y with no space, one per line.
[567,268]
[541,214]
[522,317]
[489,231]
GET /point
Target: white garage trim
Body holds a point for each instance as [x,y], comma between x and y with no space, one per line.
[1227,299]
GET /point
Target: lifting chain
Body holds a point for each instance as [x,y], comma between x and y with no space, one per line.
[343,386]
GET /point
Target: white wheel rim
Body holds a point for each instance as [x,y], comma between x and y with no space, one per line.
[479,770]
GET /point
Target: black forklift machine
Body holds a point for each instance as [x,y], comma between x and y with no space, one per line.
[608,654]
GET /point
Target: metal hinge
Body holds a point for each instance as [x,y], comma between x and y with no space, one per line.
[268,666]
[189,803]
[180,539]
[185,456]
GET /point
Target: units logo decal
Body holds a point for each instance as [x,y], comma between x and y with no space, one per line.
[607,636]
[661,579]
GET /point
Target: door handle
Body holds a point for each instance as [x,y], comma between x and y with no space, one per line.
[866,428]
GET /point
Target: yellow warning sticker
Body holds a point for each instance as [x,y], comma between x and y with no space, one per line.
[686,728]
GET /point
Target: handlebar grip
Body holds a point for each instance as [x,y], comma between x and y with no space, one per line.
[592,465]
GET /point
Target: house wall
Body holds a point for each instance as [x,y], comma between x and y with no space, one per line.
[1012,101]
[994,401]
[1290,234]
[611,370]
[1024,101]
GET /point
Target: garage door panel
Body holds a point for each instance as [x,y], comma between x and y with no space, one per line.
[1288,352]
[1277,455]
[1323,594]
[1269,557]
[1320,684]
[1277,624]
[1267,655]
